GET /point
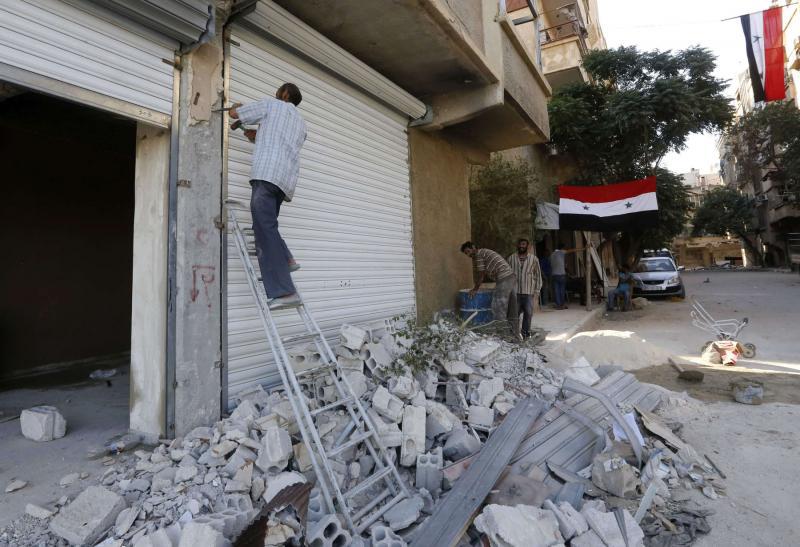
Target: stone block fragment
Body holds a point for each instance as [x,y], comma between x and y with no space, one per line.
[195,534]
[481,416]
[89,515]
[413,435]
[42,423]
[387,405]
[275,451]
[519,526]
[460,444]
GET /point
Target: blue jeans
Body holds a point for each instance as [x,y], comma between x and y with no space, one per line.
[525,306]
[560,282]
[272,252]
[613,294]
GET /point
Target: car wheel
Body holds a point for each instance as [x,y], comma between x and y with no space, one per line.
[749,351]
[682,294]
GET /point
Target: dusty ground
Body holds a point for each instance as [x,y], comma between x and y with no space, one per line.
[94,412]
[758,447]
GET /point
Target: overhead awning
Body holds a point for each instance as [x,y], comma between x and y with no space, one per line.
[182,20]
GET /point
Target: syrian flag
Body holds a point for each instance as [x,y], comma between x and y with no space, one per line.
[763,32]
[610,208]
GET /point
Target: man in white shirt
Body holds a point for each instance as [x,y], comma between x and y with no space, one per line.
[529,282]
[273,178]
[558,267]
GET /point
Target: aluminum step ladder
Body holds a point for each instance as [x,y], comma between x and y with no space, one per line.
[361,429]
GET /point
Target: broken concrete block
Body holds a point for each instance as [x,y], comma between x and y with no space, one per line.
[419,399]
[195,534]
[244,475]
[482,352]
[605,526]
[429,382]
[383,536]
[582,371]
[518,526]
[85,519]
[568,524]
[350,364]
[377,358]
[42,423]
[573,517]
[38,512]
[185,473]
[315,506]
[587,539]
[223,449]
[158,538]
[353,337]
[487,391]
[125,520]
[549,392]
[389,433]
[404,514]
[358,382]
[245,411]
[66,480]
[387,405]
[481,416]
[440,420]
[454,368]
[275,451]
[328,532]
[413,435]
[429,472]
[14,485]
[402,386]
[301,457]
[613,474]
[460,444]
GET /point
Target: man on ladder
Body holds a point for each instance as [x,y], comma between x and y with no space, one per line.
[273,178]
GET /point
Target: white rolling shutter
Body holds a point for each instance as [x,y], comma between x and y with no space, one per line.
[84,47]
[349,224]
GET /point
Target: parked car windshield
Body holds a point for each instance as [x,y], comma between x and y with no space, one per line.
[656,265]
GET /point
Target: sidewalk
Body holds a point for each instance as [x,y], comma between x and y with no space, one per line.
[563,324]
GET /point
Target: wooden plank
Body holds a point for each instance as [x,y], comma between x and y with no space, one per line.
[452,517]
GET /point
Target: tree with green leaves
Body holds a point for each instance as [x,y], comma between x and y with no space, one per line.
[503,203]
[725,211]
[639,106]
[766,143]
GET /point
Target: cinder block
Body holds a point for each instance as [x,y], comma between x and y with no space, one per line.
[413,435]
[383,536]
[429,472]
[460,444]
[195,534]
[481,416]
[159,538]
[482,352]
[487,391]
[275,451]
[402,386]
[42,423]
[88,516]
[357,381]
[316,507]
[328,532]
[387,405]
[377,358]
[353,337]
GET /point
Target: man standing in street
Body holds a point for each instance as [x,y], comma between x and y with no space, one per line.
[558,267]
[490,264]
[273,178]
[547,282]
[529,282]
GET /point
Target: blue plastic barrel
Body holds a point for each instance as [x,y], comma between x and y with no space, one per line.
[481,302]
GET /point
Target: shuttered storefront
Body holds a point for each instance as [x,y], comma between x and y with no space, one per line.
[80,51]
[349,224]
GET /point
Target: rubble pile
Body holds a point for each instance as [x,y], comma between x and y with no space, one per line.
[434,395]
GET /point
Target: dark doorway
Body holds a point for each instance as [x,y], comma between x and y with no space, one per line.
[67,237]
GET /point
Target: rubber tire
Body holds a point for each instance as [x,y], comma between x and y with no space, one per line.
[682,295]
[749,351]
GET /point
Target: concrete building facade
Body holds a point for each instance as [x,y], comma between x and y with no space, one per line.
[401,99]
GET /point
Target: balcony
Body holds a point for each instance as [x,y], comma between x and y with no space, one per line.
[564,45]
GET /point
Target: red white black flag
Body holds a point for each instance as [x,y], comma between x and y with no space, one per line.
[610,208]
[763,32]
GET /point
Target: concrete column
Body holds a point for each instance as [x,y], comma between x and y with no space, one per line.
[148,310]
[198,247]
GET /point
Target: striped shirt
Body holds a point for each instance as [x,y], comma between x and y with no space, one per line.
[280,136]
[529,274]
[493,264]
